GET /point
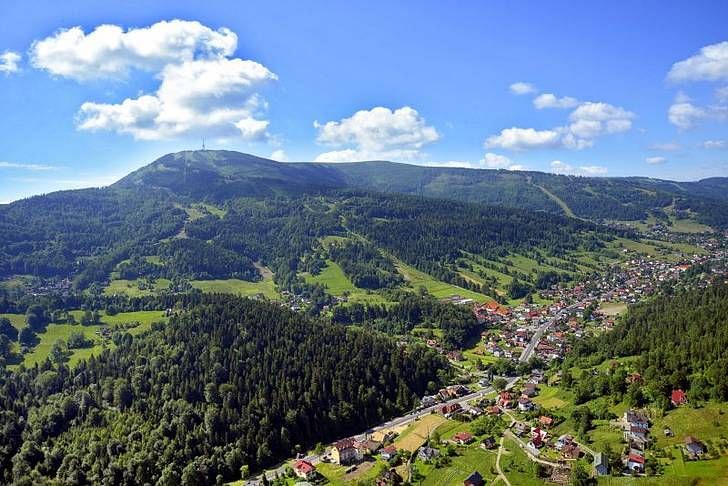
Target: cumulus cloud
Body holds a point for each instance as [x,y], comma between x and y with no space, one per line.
[715,144]
[562,168]
[684,114]
[587,122]
[279,155]
[489,161]
[9,62]
[710,64]
[109,51]
[549,100]
[202,89]
[210,96]
[657,160]
[521,88]
[515,138]
[379,133]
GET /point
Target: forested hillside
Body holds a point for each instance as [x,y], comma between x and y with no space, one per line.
[227,383]
[680,339]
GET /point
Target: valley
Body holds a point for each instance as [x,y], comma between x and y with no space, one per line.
[424,339]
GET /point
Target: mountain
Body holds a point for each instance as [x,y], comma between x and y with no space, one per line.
[221,175]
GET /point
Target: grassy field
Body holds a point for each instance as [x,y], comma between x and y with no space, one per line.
[131,287]
[265,287]
[416,434]
[612,308]
[467,460]
[517,467]
[333,278]
[17,320]
[55,332]
[439,289]
[337,475]
[551,397]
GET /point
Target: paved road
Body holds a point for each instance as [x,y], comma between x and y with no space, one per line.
[412,416]
[528,352]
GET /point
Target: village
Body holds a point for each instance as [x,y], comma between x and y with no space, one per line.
[509,405]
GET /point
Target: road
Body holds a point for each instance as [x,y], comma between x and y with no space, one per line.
[412,416]
[528,352]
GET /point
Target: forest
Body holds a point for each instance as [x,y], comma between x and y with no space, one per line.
[680,339]
[205,396]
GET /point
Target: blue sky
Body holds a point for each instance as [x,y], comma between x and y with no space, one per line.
[92,90]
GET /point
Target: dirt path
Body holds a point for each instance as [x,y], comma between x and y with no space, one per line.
[497,465]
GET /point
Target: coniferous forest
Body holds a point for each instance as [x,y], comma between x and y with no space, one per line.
[227,383]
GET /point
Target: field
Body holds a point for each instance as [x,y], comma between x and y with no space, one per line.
[551,398]
[467,460]
[439,289]
[516,465]
[266,287]
[55,332]
[131,287]
[333,278]
[612,308]
[416,434]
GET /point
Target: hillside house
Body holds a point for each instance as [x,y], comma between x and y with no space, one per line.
[694,448]
[678,398]
[600,464]
[462,438]
[344,452]
[388,452]
[304,470]
[475,479]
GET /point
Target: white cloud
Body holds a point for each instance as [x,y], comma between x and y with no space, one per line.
[587,122]
[9,62]
[515,138]
[496,161]
[379,133]
[710,64]
[33,167]
[110,52]
[684,114]
[279,155]
[657,160]
[202,90]
[559,167]
[489,161]
[666,147]
[214,97]
[715,144]
[549,100]
[521,88]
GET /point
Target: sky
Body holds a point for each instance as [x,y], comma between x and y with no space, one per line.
[92,90]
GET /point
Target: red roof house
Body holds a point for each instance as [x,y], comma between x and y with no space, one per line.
[678,397]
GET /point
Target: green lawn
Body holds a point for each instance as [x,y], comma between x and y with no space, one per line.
[333,278]
[265,287]
[17,320]
[552,398]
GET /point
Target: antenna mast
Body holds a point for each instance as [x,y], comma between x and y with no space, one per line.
[203,143]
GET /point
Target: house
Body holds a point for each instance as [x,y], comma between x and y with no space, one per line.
[475,479]
[520,429]
[571,451]
[344,452]
[530,390]
[426,454]
[304,469]
[388,478]
[488,443]
[678,397]
[493,410]
[367,447]
[525,404]
[428,401]
[505,399]
[600,464]
[388,452]
[635,433]
[450,409]
[563,441]
[694,447]
[545,421]
[636,463]
[632,418]
[462,438]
